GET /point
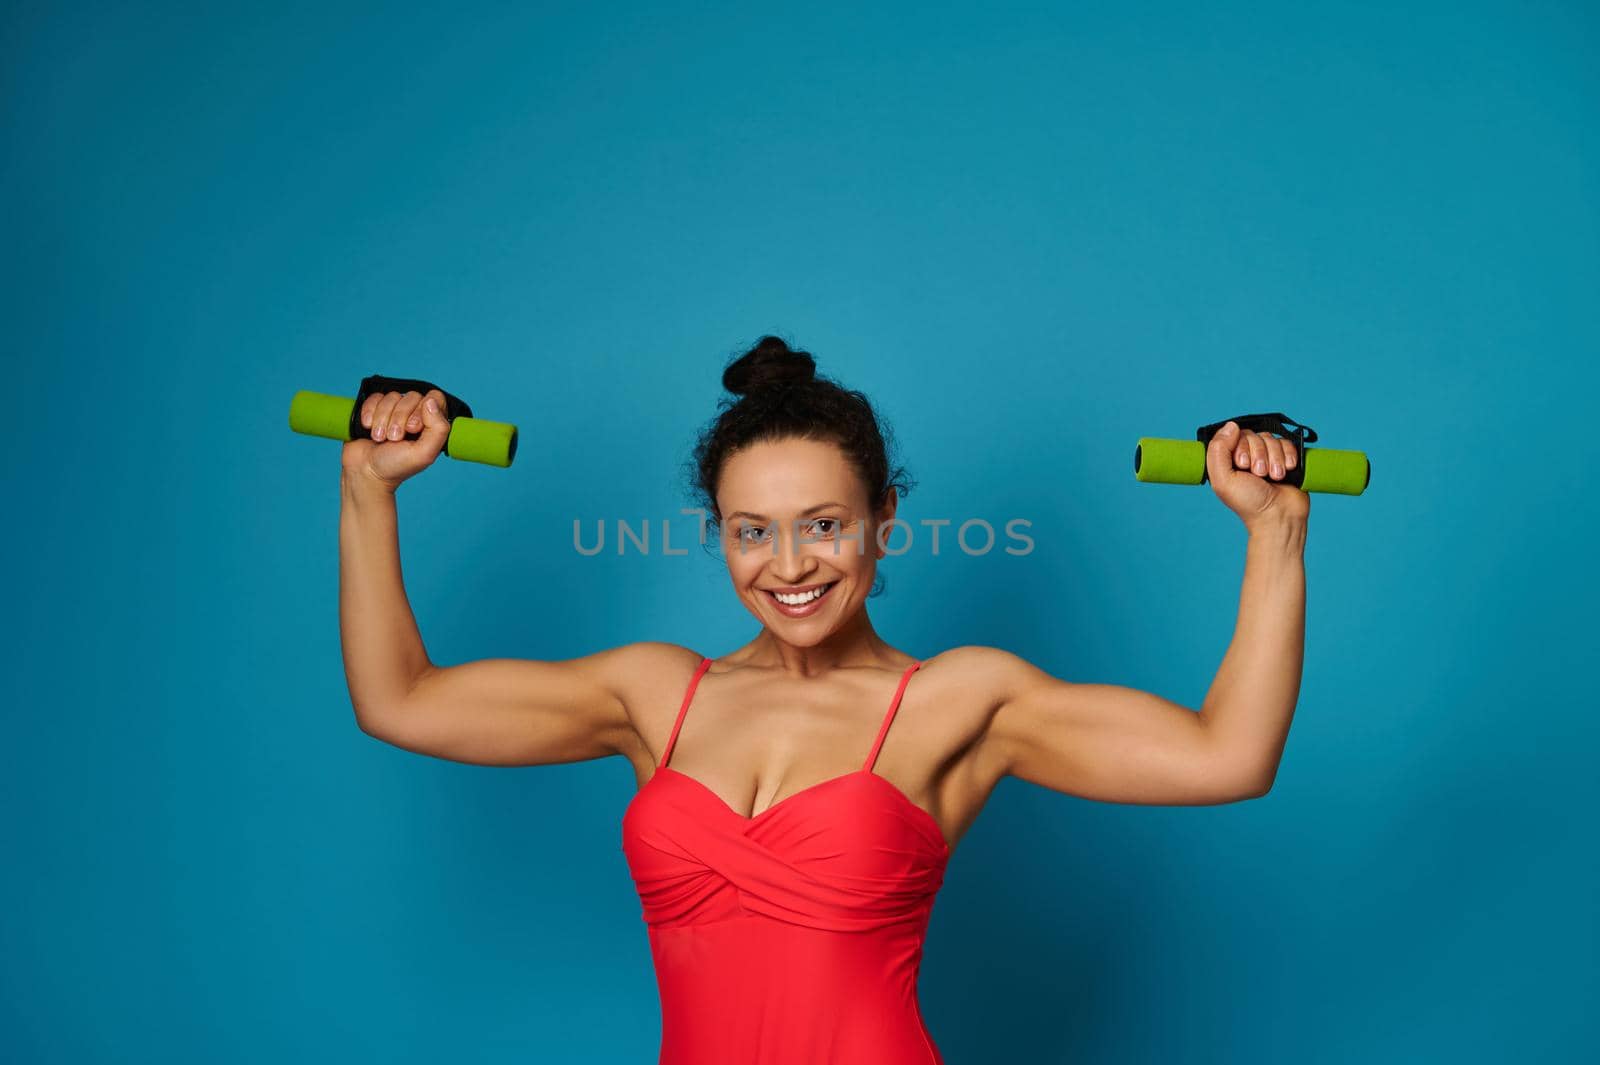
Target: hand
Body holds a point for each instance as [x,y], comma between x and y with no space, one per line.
[1248,491]
[387,452]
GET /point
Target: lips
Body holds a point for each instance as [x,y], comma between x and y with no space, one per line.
[799,588]
[804,609]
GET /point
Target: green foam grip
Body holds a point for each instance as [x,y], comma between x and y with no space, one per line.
[1162,461]
[471,439]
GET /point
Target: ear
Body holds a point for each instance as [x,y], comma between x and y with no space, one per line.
[885,514]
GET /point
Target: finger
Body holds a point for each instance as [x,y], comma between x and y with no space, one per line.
[395,421]
[1258,455]
[1290,458]
[1274,455]
[380,420]
[369,407]
[406,413]
[1241,451]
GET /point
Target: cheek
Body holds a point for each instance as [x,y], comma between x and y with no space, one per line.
[744,567]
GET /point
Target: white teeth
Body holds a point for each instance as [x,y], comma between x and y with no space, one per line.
[802,599]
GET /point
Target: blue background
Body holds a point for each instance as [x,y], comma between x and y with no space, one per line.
[1032,234]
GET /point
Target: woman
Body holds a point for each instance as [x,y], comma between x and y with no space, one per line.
[788,857]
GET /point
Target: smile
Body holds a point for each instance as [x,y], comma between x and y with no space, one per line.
[802,604]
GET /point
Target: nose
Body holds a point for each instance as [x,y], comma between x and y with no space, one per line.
[792,571]
[791,563]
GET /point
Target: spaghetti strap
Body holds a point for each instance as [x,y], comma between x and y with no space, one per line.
[688,697]
[888,718]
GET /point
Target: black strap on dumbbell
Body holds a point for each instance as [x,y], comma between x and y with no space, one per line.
[1268,423]
[453,407]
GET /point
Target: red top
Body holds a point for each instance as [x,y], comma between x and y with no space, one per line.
[793,937]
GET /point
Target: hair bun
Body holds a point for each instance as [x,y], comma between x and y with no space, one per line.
[768,364]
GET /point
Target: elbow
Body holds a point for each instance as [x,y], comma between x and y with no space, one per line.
[1243,778]
[1244,774]
[1258,784]
[372,723]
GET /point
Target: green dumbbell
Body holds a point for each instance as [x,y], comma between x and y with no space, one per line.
[339,418]
[1320,469]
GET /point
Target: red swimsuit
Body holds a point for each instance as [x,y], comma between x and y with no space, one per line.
[792,937]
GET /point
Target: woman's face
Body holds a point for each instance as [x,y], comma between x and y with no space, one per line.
[795,516]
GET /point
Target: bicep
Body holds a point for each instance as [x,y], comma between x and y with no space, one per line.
[1108,743]
[512,711]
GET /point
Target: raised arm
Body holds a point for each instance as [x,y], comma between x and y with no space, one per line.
[496,711]
[1106,742]
[1101,741]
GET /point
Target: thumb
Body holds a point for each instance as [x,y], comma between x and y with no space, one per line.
[435,426]
[1219,453]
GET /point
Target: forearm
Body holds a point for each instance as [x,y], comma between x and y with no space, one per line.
[383,651]
[1251,701]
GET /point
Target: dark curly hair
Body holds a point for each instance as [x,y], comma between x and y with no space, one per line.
[780,397]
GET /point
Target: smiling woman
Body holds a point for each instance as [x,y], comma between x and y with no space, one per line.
[783,402]
[788,861]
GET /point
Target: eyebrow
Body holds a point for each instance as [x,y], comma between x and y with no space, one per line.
[762,517]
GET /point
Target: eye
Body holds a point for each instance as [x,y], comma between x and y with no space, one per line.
[745,530]
[826,521]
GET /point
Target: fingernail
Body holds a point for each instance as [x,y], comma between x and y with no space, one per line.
[432,406]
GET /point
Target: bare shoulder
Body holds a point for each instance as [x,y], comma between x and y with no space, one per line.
[651,677]
[987,675]
[955,699]
[976,682]
[641,669]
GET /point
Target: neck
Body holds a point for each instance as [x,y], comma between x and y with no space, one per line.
[855,643]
